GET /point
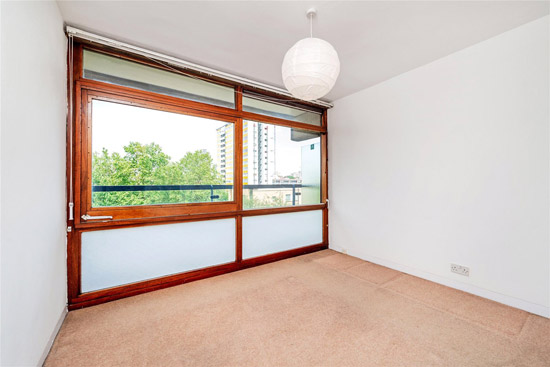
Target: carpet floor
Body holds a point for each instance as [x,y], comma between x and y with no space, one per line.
[321,309]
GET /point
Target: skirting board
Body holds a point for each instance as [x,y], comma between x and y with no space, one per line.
[52,337]
[468,288]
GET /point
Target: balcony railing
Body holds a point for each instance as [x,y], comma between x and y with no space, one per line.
[116,188]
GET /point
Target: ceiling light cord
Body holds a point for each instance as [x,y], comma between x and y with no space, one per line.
[310,13]
[311,25]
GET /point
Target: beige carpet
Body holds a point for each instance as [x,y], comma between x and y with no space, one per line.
[321,309]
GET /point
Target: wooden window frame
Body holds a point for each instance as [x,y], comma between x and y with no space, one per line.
[84,175]
[85,91]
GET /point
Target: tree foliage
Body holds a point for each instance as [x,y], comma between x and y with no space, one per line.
[147,164]
[273,200]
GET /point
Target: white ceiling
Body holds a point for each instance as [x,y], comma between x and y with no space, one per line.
[376,40]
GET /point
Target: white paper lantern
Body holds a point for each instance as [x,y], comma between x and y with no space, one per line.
[310,68]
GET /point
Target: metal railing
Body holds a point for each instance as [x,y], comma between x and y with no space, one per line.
[128,188]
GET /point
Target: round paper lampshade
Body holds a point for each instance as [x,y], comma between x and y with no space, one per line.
[310,68]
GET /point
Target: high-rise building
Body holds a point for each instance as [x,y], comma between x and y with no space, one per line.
[225,140]
[258,153]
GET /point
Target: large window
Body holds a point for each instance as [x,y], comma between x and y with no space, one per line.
[144,156]
[176,176]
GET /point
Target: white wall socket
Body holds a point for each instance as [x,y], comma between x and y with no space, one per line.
[459,269]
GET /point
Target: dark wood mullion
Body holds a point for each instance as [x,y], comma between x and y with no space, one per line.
[79,193]
[239,98]
[238,156]
[138,222]
[324,162]
[324,179]
[164,211]
[163,100]
[238,171]
[73,165]
[139,100]
[73,264]
[155,221]
[281,210]
[87,155]
[77,61]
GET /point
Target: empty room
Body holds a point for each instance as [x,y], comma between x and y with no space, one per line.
[274,183]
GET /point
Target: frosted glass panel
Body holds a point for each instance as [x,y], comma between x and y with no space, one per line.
[268,234]
[114,70]
[121,256]
[256,105]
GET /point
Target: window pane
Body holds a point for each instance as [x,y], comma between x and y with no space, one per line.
[142,156]
[118,71]
[281,166]
[262,107]
[121,256]
[262,234]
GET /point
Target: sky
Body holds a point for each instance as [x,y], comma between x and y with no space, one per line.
[115,125]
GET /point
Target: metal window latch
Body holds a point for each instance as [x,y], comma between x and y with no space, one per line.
[97,217]
[71,207]
[327,203]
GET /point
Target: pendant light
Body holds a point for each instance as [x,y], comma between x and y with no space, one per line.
[311,67]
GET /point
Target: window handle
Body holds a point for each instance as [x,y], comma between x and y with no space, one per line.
[97,217]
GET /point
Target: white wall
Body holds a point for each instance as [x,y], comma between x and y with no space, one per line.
[33,267]
[449,163]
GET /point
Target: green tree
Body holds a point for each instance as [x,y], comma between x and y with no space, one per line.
[273,201]
[147,164]
[197,168]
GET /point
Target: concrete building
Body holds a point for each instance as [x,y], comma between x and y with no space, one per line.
[258,153]
[225,139]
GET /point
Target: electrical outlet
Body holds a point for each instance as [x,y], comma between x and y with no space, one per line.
[459,269]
